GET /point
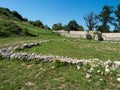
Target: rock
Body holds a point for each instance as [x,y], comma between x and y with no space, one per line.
[36,44]
[98,71]
[118,79]
[78,67]
[107,70]
[101,79]
[88,36]
[118,75]
[79,63]
[117,63]
[53,67]
[89,71]
[100,38]
[16,47]
[29,84]
[64,40]
[88,75]
[91,68]
[108,63]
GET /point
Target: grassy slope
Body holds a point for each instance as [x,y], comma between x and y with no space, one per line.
[41,34]
[40,76]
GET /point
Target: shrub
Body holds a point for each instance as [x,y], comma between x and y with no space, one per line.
[60,64]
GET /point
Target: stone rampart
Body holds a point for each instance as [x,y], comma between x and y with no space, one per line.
[82,34]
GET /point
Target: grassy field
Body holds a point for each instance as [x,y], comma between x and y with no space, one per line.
[19,75]
[81,49]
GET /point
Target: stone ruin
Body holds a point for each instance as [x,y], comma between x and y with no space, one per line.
[91,34]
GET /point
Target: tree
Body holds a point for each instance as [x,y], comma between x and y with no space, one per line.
[80,28]
[90,20]
[47,27]
[105,19]
[17,15]
[72,25]
[117,19]
[57,26]
[37,23]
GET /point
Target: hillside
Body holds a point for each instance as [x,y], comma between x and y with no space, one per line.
[5,13]
[13,24]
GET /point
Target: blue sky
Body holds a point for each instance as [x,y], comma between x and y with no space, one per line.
[55,11]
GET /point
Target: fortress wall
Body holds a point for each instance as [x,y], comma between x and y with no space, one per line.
[111,36]
[82,34]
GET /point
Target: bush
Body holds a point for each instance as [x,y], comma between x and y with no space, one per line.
[60,64]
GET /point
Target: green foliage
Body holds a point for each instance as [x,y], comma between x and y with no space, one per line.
[47,27]
[57,26]
[117,19]
[60,64]
[9,29]
[6,14]
[73,25]
[17,15]
[103,28]
[37,23]
[80,28]
[105,18]
[1,58]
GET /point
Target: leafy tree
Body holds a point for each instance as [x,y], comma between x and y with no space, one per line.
[117,24]
[105,19]
[57,26]
[72,25]
[25,19]
[17,15]
[37,23]
[46,27]
[90,20]
[80,28]
[5,11]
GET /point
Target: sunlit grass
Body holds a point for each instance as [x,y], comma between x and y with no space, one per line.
[79,50]
[17,75]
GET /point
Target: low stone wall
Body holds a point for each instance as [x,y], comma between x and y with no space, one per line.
[82,34]
[111,36]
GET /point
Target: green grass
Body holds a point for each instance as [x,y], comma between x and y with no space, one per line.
[12,41]
[17,75]
[81,49]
